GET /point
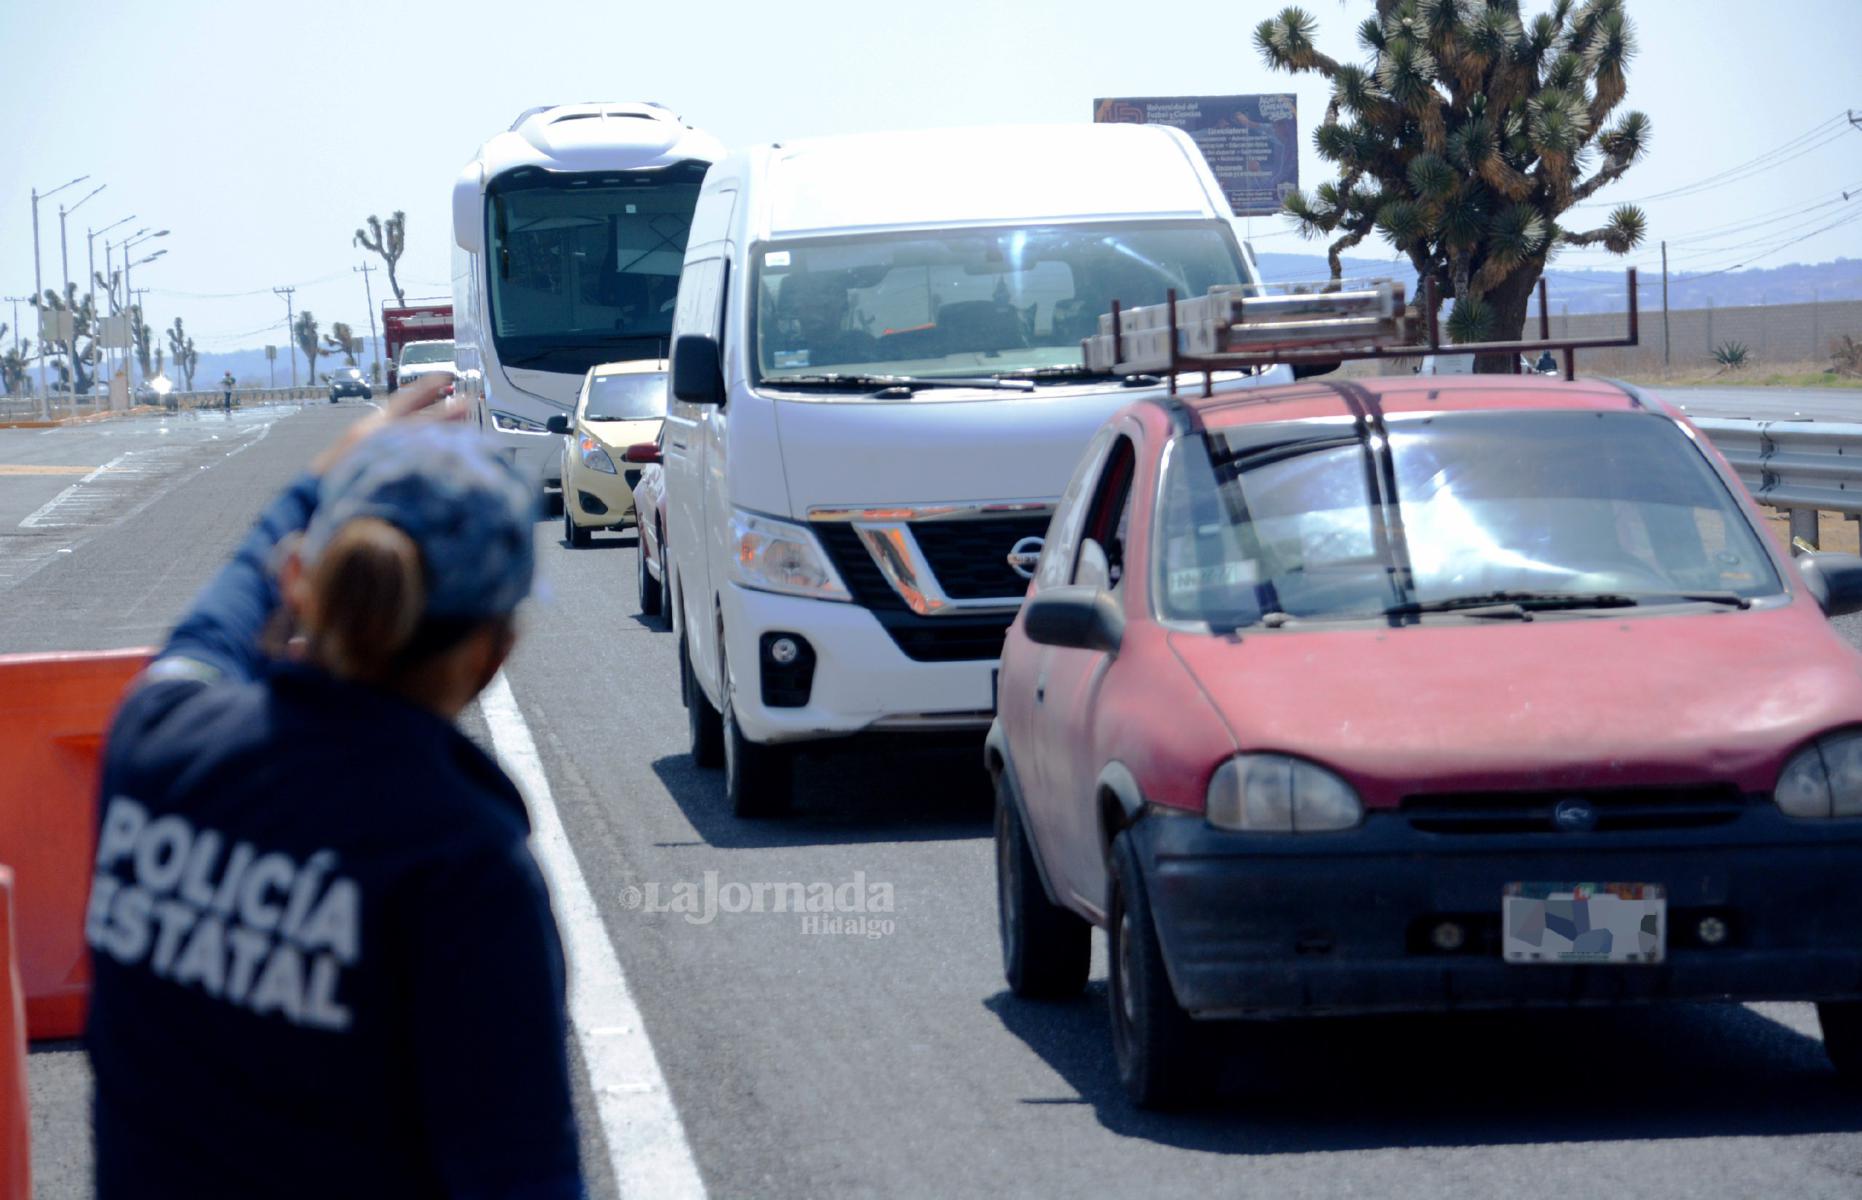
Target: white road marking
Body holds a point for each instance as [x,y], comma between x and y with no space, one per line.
[646,1143]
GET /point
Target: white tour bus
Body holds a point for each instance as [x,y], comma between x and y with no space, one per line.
[568,234]
[878,397]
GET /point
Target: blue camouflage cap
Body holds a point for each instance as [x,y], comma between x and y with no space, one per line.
[469,511]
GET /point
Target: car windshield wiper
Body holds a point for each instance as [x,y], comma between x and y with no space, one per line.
[908,383]
[1512,604]
[1730,599]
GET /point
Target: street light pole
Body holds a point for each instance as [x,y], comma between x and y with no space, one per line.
[64,265]
[38,284]
[90,262]
[145,236]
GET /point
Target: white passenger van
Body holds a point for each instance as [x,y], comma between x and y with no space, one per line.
[878,396]
[568,233]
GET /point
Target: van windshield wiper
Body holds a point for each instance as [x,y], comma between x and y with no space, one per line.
[858,382]
[1512,604]
[1053,374]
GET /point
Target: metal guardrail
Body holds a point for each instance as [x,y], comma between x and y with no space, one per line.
[1803,467]
[28,408]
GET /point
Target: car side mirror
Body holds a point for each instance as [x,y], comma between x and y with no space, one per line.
[641,452]
[1835,580]
[1074,617]
[697,370]
[557,424]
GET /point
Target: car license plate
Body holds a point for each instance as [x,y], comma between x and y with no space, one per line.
[1584,923]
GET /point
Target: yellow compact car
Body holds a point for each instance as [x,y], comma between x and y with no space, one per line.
[620,406]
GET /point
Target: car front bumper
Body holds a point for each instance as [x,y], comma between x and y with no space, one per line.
[586,490]
[1258,925]
[862,680]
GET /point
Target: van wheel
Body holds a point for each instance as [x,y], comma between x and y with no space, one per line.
[705,725]
[1156,1044]
[647,587]
[552,503]
[574,534]
[1046,949]
[1842,1037]
[759,780]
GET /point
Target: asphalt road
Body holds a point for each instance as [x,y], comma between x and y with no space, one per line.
[832,1064]
[1769,404]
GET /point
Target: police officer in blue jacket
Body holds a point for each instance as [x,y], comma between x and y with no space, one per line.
[325,963]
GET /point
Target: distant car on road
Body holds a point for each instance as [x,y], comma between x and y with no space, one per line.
[621,405]
[1424,695]
[349,381]
[423,358]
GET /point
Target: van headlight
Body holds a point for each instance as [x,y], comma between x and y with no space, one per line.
[510,422]
[1272,793]
[781,556]
[1824,779]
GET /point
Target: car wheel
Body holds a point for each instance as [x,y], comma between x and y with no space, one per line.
[703,722]
[1046,949]
[1153,1039]
[759,780]
[1842,1037]
[574,534]
[646,587]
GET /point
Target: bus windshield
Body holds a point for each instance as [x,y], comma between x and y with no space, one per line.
[584,268]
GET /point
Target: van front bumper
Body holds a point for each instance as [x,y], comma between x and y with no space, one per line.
[1258,925]
[861,680]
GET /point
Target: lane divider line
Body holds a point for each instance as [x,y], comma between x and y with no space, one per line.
[647,1148]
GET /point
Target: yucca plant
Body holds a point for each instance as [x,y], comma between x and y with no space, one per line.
[1731,355]
[1846,355]
[1464,137]
[388,239]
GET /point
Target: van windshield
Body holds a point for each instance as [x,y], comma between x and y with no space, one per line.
[969,303]
[584,268]
[426,352]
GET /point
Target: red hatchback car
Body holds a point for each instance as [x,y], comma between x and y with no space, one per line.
[1413,695]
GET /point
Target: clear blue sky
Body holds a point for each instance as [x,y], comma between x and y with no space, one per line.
[262,135]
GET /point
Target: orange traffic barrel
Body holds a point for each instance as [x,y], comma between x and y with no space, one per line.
[54,712]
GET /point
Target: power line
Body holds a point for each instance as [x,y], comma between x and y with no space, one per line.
[1749,260]
[1815,138]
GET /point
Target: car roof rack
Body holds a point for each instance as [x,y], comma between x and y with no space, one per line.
[1238,328]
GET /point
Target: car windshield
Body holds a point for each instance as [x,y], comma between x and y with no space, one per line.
[427,352]
[1559,509]
[584,268]
[969,303]
[626,398]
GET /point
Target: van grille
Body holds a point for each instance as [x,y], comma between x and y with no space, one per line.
[953,637]
[971,558]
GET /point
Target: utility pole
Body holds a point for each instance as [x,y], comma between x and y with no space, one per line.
[290,332]
[369,292]
[1667,358]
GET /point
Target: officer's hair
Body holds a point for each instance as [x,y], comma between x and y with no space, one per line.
[367,591]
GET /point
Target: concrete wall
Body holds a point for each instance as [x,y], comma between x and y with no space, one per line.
[1773,334]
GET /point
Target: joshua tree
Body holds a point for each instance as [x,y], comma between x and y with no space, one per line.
[304,333]
[342,340]
[388,239]
[1465,137]
[143,337]
[14,365]
[186,357]
[80,351]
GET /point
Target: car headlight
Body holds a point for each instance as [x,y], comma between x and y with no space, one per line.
[593,456]
[781,556]
[1824,779]
[1272,793]
[512,423]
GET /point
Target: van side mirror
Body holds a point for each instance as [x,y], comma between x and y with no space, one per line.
[557,424]
[1304,370]
[1074,617]
[641,452]
[697,370]
[1835,580]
